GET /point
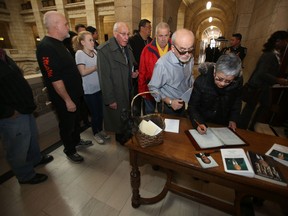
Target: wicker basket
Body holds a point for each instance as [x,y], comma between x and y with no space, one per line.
[143,139]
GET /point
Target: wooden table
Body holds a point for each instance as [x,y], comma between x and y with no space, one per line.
[176,155]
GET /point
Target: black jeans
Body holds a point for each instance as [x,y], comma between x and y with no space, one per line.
[69,126]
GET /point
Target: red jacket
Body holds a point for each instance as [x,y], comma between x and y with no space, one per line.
[148,59]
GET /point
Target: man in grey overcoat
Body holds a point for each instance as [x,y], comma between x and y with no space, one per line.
[115,67]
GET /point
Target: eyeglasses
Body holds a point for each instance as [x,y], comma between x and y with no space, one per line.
[184,52]
[220,79]
[124,34]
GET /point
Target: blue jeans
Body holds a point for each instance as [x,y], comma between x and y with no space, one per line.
[20,139]
[95,106]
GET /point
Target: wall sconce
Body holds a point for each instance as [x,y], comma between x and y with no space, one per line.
[208,5]
[1,38]
[210,19]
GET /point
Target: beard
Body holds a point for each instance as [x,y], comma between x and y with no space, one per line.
[185,61]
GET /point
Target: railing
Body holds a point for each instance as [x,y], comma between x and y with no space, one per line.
[74,1]
[26,6]
[3,5]
[48,3]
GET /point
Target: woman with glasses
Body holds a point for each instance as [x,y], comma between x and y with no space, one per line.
[216,95]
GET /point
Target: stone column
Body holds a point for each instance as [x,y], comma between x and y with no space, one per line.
[128,11]
[60,7]
[101,29]
[91,13]
[36,6]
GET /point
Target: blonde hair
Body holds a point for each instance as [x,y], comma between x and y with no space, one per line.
[76,40]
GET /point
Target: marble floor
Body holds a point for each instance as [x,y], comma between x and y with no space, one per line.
[101,186]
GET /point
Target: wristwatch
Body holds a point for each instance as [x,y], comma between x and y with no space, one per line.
[170,103]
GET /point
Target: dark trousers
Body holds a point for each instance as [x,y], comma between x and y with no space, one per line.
[247,120]
[69,127]
[95,106]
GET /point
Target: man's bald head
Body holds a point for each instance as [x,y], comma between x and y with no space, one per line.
[56,25]
[183,41]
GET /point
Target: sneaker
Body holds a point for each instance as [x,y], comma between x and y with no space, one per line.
[85,142]
[104,135]
[75,158]
[98,138]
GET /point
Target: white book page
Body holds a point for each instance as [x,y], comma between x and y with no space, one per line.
[208,140]
[172,125]
[227,136]
[235,161]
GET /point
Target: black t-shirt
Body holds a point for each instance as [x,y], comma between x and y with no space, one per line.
[56,63]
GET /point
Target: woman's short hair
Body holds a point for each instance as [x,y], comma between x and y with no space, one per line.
[229,64]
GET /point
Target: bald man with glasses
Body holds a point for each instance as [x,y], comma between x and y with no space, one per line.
[172,78]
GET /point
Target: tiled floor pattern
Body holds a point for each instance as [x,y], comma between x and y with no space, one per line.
[101,187]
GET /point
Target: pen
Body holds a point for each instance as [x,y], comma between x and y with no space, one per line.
[199,125]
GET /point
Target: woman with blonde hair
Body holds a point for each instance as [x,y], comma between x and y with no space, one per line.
[86,60]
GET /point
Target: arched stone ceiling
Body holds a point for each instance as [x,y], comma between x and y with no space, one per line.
[196,15]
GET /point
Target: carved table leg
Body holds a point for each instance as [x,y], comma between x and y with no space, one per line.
[135,183]
[135,180]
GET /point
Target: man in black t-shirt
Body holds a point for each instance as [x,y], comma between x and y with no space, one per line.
[62,80]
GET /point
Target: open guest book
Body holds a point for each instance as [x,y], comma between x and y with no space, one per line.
[214,137]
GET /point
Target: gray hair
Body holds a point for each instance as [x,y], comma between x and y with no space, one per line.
[117,25]
[230,64]
[50,18]
[162,25]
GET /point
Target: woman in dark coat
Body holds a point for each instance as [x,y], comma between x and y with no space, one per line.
[216,95]
[266,74]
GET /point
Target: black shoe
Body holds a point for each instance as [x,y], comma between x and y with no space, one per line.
[85,143]
[45,160]
[76,158]
[121,138]
[38,178]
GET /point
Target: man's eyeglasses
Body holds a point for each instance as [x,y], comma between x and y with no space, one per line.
[220,79]
[124,34]
[184,52]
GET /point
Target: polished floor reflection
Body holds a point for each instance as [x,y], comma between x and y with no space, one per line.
[101,186]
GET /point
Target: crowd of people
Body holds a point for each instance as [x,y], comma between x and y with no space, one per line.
[105,77]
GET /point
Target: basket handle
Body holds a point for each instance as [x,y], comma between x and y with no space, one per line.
[139,94]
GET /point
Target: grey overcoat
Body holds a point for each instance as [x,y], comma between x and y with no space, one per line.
[114,77]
